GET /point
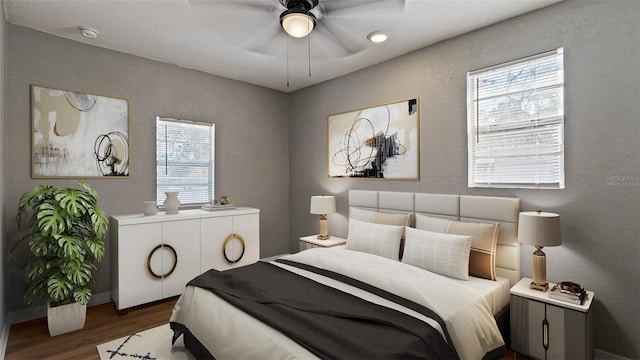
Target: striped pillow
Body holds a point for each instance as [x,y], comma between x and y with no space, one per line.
[444,254]
[377,239]
[482,259]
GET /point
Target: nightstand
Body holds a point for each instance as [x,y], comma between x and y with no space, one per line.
[312,241]
[567,327]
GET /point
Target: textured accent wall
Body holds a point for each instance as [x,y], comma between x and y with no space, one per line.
[600,206]
[252,133]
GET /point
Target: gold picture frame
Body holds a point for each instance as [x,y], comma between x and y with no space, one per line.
[381,142]
[78,135]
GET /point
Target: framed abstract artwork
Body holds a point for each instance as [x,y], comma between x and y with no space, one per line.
[78,135]
[381,142]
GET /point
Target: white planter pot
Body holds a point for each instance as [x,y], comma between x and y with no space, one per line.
[66,318]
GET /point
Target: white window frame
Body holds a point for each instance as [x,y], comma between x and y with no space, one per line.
[528,148]
[164,165]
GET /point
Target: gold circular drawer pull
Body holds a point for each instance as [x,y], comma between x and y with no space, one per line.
[224,248]
[175,261]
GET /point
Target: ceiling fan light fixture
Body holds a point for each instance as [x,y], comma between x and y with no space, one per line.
[378,36]
[297,22]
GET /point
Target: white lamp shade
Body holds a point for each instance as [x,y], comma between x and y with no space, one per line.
[298,25]
[323,204]
[539,228]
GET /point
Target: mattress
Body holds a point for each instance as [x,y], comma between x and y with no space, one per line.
[467,307]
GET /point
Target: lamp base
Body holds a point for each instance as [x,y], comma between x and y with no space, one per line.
[539,270]
[323,237]
[541,287]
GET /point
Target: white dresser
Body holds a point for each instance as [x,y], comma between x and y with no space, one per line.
[153,257]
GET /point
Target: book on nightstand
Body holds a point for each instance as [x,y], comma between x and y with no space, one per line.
[575,297]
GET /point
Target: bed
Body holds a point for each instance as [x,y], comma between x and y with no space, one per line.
[352,302]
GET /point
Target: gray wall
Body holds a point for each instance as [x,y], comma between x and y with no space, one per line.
[599,213]
[3,172]
[252,133]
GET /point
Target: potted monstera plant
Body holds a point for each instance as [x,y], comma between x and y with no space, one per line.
[66,240]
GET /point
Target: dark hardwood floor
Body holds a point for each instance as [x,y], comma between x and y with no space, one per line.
[30,340]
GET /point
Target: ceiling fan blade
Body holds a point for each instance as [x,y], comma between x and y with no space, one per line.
[349,22]
[332,38]
[325,45]
[359,8]
[221,17]
[269,41]
[263,5]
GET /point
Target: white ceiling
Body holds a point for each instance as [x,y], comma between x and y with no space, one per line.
[243,40]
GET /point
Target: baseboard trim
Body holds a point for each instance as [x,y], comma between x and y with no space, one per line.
[4,339]
[37,312]
[603,355]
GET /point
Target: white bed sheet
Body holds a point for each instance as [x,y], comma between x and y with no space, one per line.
[496,293]
[229,333]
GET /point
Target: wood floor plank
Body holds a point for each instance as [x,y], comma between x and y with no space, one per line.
[31,340]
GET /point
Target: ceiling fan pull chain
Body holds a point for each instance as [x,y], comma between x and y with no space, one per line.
[287,61]
[309,52]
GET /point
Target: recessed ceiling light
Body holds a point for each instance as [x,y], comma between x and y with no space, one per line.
[378,36]
[88,32]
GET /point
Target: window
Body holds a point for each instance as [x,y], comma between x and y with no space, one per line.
[184,160]
[515,123]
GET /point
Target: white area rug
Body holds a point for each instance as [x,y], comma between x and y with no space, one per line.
[151,344]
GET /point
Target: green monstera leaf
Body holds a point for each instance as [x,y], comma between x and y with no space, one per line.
[51,219]
[73,201]
[82,295]
[72,247]
[59,287]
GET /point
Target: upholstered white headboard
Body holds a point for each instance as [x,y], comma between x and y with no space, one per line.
[487,209]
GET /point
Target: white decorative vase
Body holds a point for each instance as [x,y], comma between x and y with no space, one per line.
[66,318]
[171,203]
[150,208]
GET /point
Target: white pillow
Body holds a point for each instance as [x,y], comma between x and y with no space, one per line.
[444,254]
[377,239]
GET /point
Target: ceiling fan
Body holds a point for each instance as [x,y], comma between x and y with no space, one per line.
[336,28]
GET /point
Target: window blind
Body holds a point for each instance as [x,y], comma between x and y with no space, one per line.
[185,160]
[515,123]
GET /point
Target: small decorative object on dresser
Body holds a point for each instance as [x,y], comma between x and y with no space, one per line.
[171,203]
[312,241]
[546,328]
[150,208]
[323,205]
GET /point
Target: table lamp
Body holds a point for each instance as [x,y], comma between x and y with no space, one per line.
[539,229]
[323,205]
